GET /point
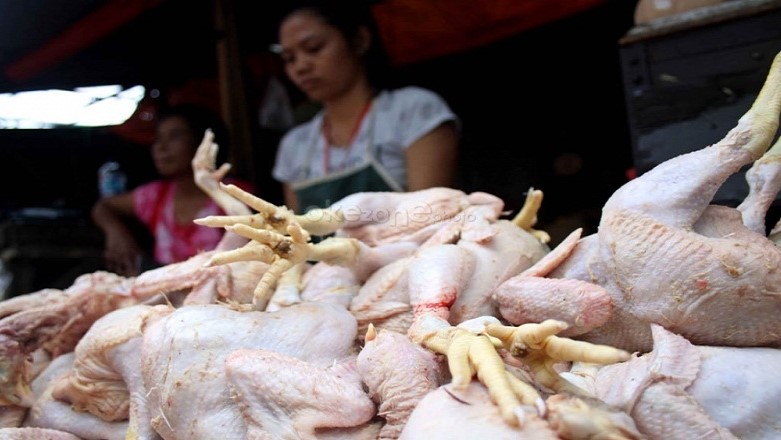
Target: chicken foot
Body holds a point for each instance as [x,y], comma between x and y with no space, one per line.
[278,218]
[764,181]
[527,216]
[285,249]
[539,348]
[208,177]
[471,353]
[283,252]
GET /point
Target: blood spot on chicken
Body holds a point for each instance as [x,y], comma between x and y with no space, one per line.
[701,284]
[433,306]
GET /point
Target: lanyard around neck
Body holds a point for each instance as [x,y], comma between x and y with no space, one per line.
[326,130]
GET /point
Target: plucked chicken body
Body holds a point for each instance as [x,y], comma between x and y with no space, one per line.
[106,379]
[698,391]
[398,374]
[55,327]
[483,253]
[470,414]
[184,355]
[282,397]
[50,413]
[664,257]
[383,217]
[35,434]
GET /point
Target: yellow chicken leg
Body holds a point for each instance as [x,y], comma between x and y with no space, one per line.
[469,354]
[527,216]
[540,349]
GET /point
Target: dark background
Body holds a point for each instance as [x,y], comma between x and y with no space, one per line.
[524,102]
[544,108]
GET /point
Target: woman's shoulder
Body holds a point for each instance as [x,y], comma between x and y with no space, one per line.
[413,103]
[411,94]
[412,100]
[151,187]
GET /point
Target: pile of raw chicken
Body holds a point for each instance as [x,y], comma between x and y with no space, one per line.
[428,315]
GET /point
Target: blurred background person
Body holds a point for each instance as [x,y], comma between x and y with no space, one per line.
[366,136]
[166,206]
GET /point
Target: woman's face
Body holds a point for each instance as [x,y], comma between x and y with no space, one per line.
[174,147]
[318,58]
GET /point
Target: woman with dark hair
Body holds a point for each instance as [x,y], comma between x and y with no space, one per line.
[367,136]
[168,206]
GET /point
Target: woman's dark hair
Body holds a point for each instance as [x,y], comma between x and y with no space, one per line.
[198,119]
[348,16]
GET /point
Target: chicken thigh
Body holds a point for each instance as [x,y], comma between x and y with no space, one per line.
[281,397]
[398,374]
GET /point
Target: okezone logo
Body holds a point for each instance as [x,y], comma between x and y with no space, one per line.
[423,214]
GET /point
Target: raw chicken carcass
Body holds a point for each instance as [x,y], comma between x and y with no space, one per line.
[283,239]
[106,379]
[666,257]
[699,391]
[35,434]
[57,327]
[435,278]
[281,397]
[383,217]
[470,414]
[473,256]
[398,374]
[184,355]
[60,319]
[53,414]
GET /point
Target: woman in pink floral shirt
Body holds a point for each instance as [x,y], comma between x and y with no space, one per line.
[167,206]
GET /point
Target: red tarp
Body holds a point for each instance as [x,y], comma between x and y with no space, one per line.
[96,25]
[415,30]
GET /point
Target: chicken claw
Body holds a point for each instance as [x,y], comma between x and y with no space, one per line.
[469,354]
[540,349]
[207,176]
[578,418]
[252,251]
[283,252]
[527,216]
[278,218]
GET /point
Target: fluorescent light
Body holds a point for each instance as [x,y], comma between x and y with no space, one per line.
[82,107]
[99,91]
